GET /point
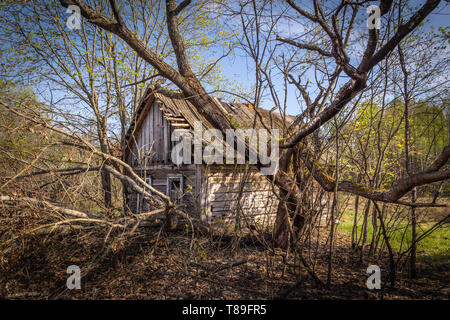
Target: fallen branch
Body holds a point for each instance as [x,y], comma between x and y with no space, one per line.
[47,204]
[73,170]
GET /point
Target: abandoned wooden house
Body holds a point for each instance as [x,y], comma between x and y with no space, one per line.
[216,191]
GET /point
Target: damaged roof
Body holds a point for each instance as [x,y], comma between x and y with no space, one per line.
[240,115]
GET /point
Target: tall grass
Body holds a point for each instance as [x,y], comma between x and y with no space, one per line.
[435,248]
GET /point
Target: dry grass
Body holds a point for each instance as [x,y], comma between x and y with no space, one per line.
[153,264]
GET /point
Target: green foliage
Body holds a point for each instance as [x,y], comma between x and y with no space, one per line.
[38,49]
[19,139]
[434,248]
[375,140]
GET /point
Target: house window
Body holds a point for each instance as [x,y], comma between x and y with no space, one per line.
[175,187]
[142,205]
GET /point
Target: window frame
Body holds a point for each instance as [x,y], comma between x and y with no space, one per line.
[171,177]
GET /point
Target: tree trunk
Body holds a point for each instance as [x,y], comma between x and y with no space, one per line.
[290,220]
[105,175]
[288,224]
[106,186]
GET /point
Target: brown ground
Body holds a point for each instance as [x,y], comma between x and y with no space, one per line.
[176,266]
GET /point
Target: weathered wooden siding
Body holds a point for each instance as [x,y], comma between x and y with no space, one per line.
[231,191]
[159,175]
[213,192]
[152,139]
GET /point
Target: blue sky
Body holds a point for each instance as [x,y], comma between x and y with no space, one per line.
[241,69]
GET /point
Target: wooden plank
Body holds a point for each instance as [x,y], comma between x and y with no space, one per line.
[139,149]
[172,116]
[180,125]
[235,187]
[246,212]
[238,177]
[234,195]
[234,206]
[175,119]
[143,114]
[249,114]
[231,168]
[230,171]
[220,106]
[251,216]
[264,218]
[158,139]
[156,134]
[159,182]
[142,140]
[145,135]
[166,167]
[167,102]
[151,131]
[246,201]
[161,136]
[166,141]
